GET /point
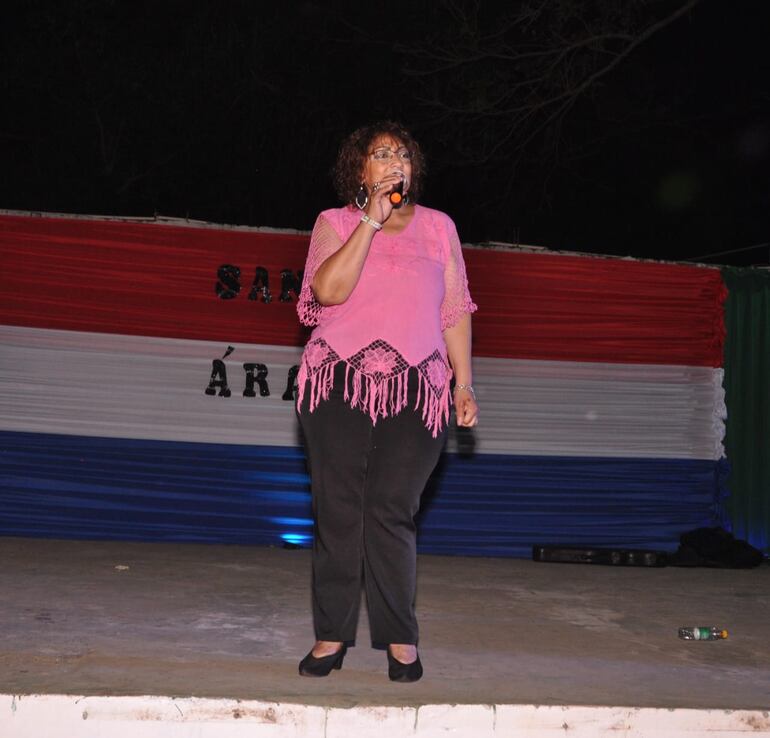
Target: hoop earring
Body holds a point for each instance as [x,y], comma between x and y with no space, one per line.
[362,197]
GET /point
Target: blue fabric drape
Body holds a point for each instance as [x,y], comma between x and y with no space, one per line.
[502,505]
[64,486]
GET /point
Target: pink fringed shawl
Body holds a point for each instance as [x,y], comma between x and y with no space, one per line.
[412,287]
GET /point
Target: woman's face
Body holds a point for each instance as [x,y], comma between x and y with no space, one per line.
[385,156]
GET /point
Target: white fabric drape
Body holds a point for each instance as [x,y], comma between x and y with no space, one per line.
[560,408]
[95,384]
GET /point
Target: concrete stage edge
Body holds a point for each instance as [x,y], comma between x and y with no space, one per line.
[136,639]
[39,716]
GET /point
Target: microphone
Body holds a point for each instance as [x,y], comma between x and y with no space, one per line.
[396,195]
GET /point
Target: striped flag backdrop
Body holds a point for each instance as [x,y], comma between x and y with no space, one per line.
[147,373]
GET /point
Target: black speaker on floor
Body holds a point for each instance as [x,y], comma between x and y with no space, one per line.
[603,556]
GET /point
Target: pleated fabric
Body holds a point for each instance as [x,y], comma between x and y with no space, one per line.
[747,369]
[147,375]
[141,387]
[66,486]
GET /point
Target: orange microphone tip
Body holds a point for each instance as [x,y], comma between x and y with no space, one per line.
[396,198]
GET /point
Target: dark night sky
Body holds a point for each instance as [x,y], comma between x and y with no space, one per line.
[232,113]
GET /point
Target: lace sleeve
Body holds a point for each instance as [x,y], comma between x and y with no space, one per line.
[457,298]
[324,241]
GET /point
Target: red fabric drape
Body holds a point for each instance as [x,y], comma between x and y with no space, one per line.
[542,306]
[159,280]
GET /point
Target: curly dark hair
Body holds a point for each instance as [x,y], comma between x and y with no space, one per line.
[356,147]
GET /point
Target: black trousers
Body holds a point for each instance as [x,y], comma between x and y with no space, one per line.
[366,482]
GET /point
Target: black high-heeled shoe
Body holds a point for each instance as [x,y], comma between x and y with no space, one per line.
[321,667]
[400,672]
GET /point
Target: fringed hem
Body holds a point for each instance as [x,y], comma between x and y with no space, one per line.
[435,407]
[321,383]
[377,398]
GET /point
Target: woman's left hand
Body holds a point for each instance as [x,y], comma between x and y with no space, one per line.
[466,408]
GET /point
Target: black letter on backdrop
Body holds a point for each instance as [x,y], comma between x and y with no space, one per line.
[261,285]
[229,284]
[291,384]
[290,283]
[218,379]
[261,373]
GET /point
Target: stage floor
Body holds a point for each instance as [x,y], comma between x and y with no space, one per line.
[116,618]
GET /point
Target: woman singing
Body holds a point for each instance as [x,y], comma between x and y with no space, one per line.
[385,287]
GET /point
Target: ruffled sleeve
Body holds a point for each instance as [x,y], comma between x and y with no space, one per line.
[324,241]
[457,298]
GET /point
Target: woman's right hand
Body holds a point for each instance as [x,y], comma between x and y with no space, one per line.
[380,207]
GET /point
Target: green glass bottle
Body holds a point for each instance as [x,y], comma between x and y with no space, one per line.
[705,633]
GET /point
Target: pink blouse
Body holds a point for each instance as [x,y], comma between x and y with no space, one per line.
[412,287]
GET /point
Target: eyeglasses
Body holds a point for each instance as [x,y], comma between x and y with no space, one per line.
[386,154]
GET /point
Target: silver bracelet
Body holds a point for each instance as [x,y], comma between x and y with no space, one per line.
[372,222]
[468,387]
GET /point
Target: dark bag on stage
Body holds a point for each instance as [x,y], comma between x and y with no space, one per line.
[715,547]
